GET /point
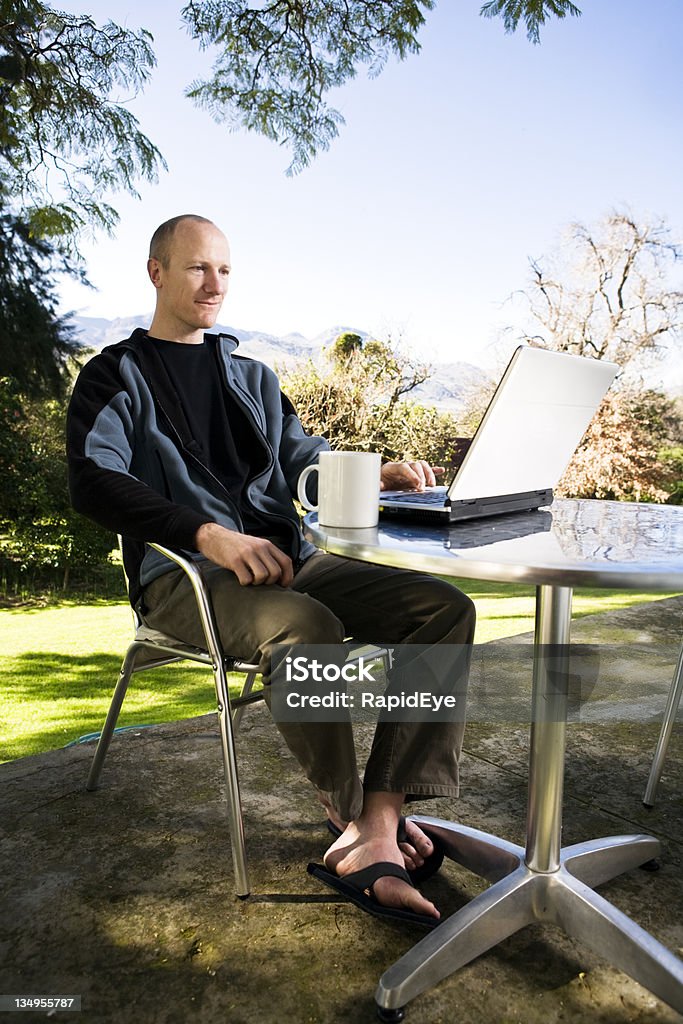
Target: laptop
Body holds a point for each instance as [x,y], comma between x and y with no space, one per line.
[539,412]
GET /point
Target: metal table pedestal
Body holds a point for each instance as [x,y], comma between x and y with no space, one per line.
[542,882]
[624,545]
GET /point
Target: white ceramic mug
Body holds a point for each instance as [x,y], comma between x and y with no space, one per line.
[348,489]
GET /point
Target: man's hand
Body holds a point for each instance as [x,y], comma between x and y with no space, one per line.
[254,560]
[410,476]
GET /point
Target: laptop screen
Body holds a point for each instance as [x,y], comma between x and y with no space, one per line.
[533,424]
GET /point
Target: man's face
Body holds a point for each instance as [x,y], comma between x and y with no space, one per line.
[191,289]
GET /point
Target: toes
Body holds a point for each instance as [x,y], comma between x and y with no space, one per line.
[419,905]
[417,839]
[411,857]
[410,860]
[392,892]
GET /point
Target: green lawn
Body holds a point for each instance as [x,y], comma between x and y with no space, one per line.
[60,664]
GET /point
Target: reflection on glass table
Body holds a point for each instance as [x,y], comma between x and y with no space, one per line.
[573,543]
[591,543]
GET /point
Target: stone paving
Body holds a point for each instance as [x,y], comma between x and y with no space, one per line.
[125,898]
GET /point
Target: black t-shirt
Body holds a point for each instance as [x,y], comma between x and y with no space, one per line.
[229,446]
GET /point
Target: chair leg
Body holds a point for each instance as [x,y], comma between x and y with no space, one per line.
[672,703]
[246,690]
[239,853]
[112,715]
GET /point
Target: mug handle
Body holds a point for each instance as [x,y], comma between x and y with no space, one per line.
[301,488]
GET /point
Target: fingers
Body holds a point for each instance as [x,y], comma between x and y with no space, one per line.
[287,569]
[423,474]
[279,565]
[264,563]
[414,475]
[254,560]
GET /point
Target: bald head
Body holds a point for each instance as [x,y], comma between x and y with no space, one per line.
[160,244]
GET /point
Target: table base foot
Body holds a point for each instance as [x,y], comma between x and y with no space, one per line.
[599,860]
[520,896]
[593,920]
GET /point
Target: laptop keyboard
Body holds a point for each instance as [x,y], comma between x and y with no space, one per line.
[418,498]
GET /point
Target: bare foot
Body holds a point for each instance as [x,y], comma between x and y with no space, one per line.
[415,848]
[362,845]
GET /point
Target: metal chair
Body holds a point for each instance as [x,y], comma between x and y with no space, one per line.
[151,649]
[673,700]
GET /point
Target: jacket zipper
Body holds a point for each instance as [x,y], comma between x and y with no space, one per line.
[234,390]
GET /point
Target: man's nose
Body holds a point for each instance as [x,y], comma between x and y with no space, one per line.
[213,282]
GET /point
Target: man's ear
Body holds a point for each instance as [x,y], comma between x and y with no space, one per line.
[154,271]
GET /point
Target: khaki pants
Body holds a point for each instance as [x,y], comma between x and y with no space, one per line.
[333,598]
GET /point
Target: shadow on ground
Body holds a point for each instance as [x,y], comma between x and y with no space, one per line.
[125,896]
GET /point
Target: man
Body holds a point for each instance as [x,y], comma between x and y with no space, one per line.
[173,437]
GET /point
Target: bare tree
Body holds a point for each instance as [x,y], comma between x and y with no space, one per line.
[607,292]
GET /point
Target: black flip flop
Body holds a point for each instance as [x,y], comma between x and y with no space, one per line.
[357,887]
[416,876]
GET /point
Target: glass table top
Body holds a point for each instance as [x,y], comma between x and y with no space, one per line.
[571,543]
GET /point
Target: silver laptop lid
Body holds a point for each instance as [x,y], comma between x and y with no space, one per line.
[533,424]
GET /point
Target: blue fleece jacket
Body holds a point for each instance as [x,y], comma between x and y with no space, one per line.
[135,468]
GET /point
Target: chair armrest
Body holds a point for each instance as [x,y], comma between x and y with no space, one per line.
[202,597]
[185,564]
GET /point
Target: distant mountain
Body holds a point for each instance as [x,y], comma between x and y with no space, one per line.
[446,388]
[449,385]
[96,333]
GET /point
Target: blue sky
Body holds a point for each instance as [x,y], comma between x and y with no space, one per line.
[454,168]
